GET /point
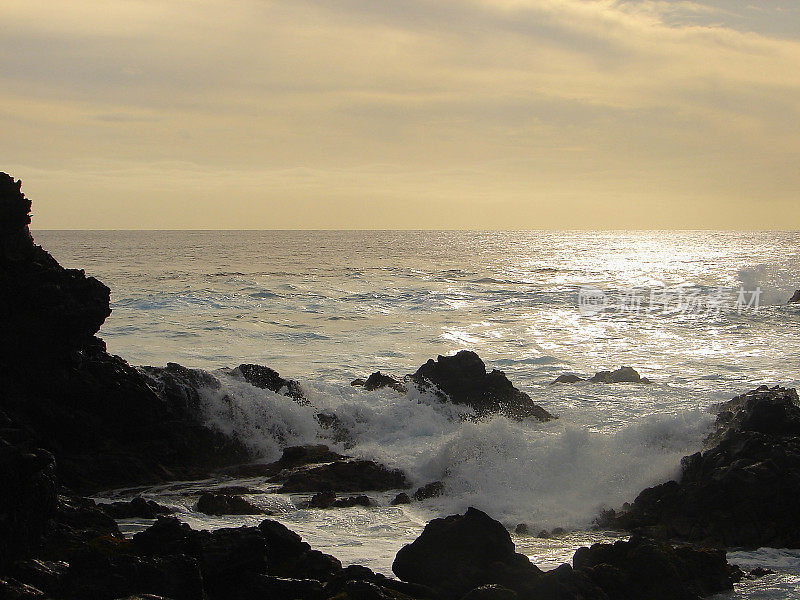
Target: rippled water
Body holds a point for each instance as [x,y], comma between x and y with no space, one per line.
[325,307]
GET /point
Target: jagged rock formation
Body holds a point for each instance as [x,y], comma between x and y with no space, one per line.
[795,299]
[743,490]
[463,380]
[621,375]
[102,419]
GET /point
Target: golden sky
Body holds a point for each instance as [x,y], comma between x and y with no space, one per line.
[420,114]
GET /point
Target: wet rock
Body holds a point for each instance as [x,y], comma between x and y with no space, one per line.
[642,568]
[345,476]
[401,498]
[289,556]
[77,523]
[378,380]
[456,554]
[568,378]
[224,504]
[47,576]
[621,375]
[490,592]
[430,490]
[742,491]
[321,500]
[759,572]
[328,499]
[522,529]
[463,379]
[795,298]
[277,588]
[268,379]
[11,589]
[138,508]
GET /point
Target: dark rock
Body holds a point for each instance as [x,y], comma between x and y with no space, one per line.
[568,378]
[292,457]
[360,500]
[430,490]
[378,380]
[463,380]
[11,589]
[522,529]
[456,554]
[268,379]
[28,501]
[290,556]
[138,508]
[47,576]
[401,498]
[490,592]
[77,523]
[621,375]
[322,499]
[224,504]
[759,572]
[642,568]
[742,491]
[795,298]
[347,476]
[276,588]
[95,575]
[99,417]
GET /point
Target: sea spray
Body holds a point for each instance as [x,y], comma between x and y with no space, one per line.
[548,474]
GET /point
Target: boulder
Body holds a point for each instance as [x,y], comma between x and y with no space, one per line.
[329,500]
[344,476]
[621,375]
[568,378]
[463,379]
[225,504]
[378,380]
[430,490]
[138,508]
[456,554]
[268,379]
[642,568]
[742,490]
[401,498]
[795,299]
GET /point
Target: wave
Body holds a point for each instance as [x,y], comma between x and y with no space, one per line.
[546,475]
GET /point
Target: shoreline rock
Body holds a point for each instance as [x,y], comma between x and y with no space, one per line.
[621,375]
[742,490]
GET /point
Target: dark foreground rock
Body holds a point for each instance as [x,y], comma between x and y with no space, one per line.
[795,299]
[463,380]
[473,556]
[743,490]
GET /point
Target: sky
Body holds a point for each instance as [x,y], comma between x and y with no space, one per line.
[411,114]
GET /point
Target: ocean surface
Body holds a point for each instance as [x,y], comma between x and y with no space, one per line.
[702,314]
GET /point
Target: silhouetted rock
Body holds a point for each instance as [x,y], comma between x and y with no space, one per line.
[490,592]
[268,379]
[378,380]
[225,504]
[346,476]
[138,508]
[430,490]
[456,554]
[463,380]
[401,498]
[743,490]
[293,457]
[621,375]
[328,499]
[645,569]
[568,378]
[795,298]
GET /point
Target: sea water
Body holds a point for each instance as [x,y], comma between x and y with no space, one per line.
[702,314]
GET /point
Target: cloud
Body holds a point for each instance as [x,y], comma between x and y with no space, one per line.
[521,103]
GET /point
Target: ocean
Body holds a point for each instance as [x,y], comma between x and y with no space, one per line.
[703,314]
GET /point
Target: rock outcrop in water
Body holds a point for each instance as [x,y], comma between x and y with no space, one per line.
[621,375]
[743,490]
[463,379]
[795,299]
